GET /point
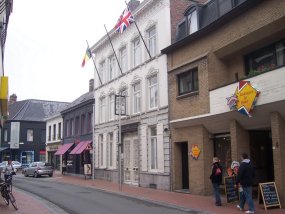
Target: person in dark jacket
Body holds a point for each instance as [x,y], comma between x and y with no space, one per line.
[216,178]
[245,179]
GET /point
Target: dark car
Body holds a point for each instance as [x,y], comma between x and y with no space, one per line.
[37,169]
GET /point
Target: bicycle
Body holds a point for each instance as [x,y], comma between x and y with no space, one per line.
[6,191]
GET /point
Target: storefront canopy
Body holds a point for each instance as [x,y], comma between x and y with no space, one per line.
[80,147]
[3,148]
[63,149]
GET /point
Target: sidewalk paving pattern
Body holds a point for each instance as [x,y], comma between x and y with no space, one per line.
[187,202]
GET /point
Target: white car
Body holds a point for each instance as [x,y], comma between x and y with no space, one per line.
[16,165]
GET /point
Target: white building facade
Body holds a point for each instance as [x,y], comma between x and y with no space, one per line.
[145,141]
[54,131]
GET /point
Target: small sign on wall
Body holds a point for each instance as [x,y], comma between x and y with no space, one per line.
[195,152]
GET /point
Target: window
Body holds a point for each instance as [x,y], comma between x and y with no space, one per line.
[5,135]
[111,107]
[83,124]
[112,67]
[192,22]
[66,128]
[123,59]
[49,133]
[266,59]
[137,98]
[89,122]
[153,148]
[54,131]
[136,52]
[102,71]
[110,149]
[151,34]
[77,124]
[30,135]
[71,127]
[188,82]
[153,93]
[59,131]
[43,135]
[102,110]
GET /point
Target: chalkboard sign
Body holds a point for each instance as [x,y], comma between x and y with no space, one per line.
[269,194]
[232,193]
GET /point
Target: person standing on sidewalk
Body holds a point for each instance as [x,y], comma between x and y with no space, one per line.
[245,179]
[216,178]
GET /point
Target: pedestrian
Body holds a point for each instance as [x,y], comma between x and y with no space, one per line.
[216,178]
[244,178]
[8,170]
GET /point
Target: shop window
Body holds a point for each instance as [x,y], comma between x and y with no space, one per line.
[222,150]
[266,59]
[188,82]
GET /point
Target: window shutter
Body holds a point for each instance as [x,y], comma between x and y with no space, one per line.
[115,148]
[143,148]
[105,155]
[160,148]
[96,150]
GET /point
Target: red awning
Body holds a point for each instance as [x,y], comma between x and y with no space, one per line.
[80,147]
[63,149]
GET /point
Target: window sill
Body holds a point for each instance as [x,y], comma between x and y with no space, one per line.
[191,94]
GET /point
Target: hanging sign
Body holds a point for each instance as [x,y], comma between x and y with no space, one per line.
[244,98]
[195,152]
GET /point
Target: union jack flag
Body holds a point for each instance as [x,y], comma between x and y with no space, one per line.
[124,21]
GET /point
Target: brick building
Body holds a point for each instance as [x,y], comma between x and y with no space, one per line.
[219,44]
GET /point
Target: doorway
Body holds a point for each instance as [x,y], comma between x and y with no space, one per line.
[261,155]
[131,158]
[184,164]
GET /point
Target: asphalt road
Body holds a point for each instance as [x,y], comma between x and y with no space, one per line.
[77,199]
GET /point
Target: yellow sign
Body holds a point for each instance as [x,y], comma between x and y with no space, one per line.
[244,98]
[195,151]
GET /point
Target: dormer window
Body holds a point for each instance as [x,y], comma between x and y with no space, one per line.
[192,21]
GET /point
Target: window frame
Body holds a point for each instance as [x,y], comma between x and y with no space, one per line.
[137,52]
[30,135]
[152,41]
[192,73]
[123,58]
[111,67]
[102,110]
[111,107]
[153,150]
[137,98]
[189,25]
[150,87]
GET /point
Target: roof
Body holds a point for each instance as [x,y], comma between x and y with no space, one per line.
[89,96]
[34,110]
[212,26]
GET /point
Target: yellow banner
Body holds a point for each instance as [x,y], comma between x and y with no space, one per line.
[4,88]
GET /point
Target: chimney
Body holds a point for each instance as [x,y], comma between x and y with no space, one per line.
[133,4]
[91,85]
[12,99]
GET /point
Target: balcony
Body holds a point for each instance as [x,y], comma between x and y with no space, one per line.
[271,86]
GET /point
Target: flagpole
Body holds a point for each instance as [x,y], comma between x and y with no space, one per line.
[94,62]
[139,32]
[113,49]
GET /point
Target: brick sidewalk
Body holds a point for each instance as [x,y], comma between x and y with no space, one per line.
[174,199]
[26,205]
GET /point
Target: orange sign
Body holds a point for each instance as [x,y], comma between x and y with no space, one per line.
[195,152]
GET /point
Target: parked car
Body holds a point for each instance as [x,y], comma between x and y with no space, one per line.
[37,169]
[16,165]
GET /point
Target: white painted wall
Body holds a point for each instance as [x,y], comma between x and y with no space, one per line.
[56,119]
[270,84]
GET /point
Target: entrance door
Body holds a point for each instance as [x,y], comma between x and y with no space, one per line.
[131,157]
[185,166]
[261,155]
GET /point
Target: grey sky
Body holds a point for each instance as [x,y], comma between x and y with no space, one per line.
[46,42]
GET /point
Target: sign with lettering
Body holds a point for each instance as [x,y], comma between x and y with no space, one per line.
[269,195]
[244,98]
[231,190]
